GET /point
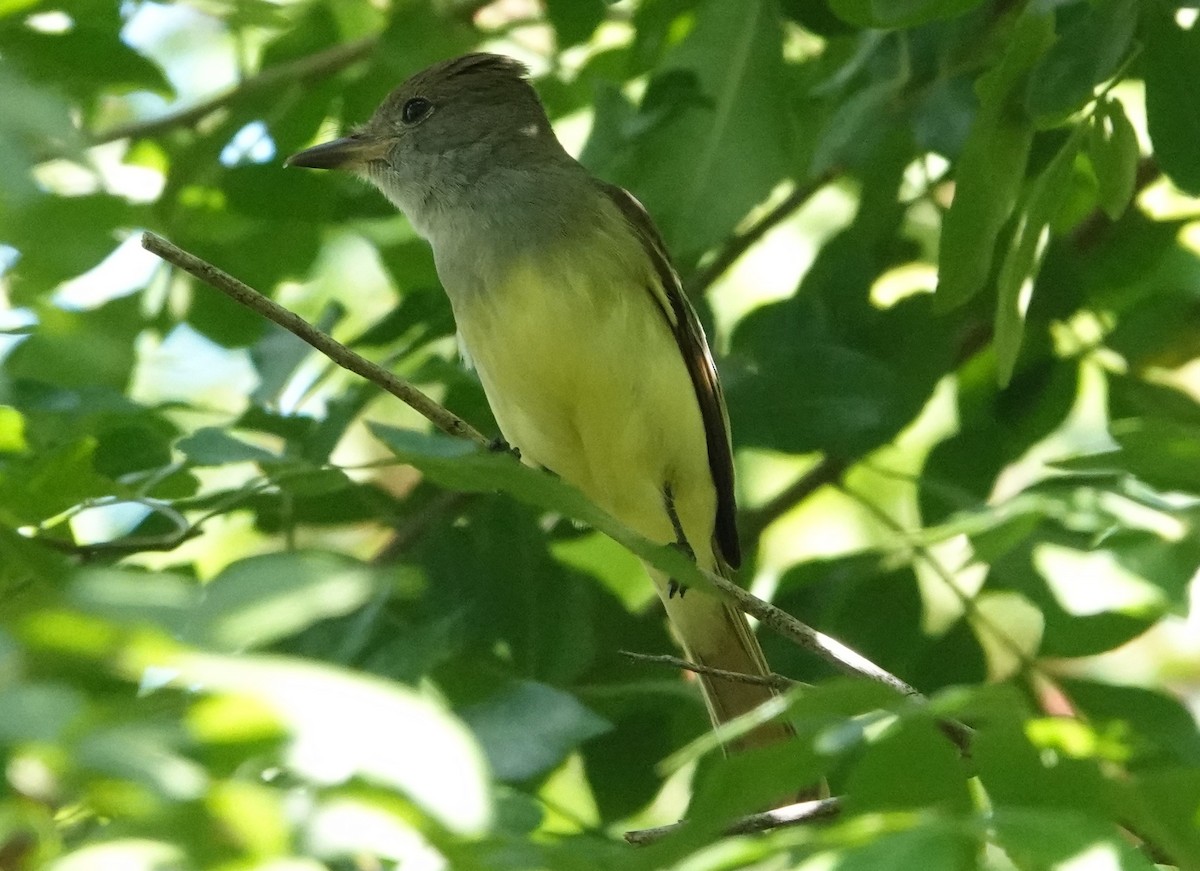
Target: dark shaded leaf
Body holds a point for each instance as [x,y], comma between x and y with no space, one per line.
[1172,66]
[528,729]
[1088,52]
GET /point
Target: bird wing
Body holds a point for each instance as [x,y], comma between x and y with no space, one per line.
[689,336]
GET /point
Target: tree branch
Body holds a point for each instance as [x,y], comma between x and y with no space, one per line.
[242,293]
[827,471]
[788,815]
[774,681]
[302,69]
[741,243]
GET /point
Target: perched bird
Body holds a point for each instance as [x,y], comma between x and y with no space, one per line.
[566,303]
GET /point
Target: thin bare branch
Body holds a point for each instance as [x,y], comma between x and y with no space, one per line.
[302,69]
[827,471]
[841,657]
[788,815]
[242,293]
[774,681]
[738,245]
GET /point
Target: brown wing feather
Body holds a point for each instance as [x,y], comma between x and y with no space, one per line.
[689,336]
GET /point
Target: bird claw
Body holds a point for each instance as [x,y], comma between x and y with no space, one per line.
[500,446]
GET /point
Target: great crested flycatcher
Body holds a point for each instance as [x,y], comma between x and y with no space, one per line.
[591,357]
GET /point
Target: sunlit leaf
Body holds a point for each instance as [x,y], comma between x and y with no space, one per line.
[345,725]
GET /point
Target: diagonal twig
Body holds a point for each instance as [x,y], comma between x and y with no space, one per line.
[240,292]
[788,815]
[302,69]
[774,681]
[738,245]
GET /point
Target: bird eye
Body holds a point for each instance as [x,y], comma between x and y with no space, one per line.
[415,109]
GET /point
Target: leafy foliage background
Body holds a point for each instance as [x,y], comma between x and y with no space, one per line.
[960,352]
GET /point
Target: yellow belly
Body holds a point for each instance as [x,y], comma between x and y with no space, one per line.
[584,377]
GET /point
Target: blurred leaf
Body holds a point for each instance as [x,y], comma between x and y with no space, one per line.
[1018,271]
[37,488]
[1159,729]
[1172,64]
[12,431]
[850,135]
[1089,50]
[991,168]
[259,600]
[1164,805]
[210,446]
[344,725]
[529,728]
[128,597]
[932,845]
[1164,454]
[898,13]
[83,59]
[1113,149]
[78,348]
[134,448]
[35,117]
[574,20]
[37,712]
[1044,838]
[913,765]
[91,223]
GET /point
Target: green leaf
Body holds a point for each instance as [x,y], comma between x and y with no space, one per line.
[91,222]
[34,116]
[933,845]
[35,489]
[1172,68]
[713,135]
[38,712]
[1163,453]
[1019,270]
[1045,838]
[84,59]
[344,725]
[128,597]
[854,125]
[912,765]
[12,431]
[899,13]
[528,729]
[574,20]
[81,348]
[992,167]
[1159,728]
[1113,150]
[209,446]
[1088,52]
[260,600]
[1164,806]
